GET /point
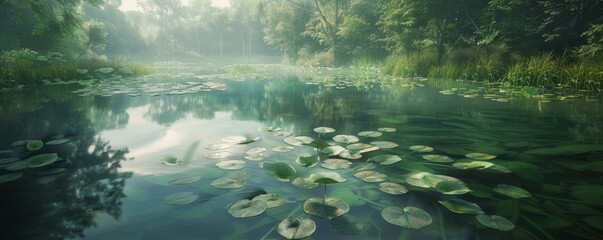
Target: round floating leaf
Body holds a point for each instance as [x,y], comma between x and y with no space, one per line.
[429,180]
[57,141]
[372,134]
[364,166]
[41,160]
[346,139]
[280,170]
[512,191]
[386,159]
[350,155]
[217,146]
[283,149]
[392,188]
[257,157]
[296,228]
[480,156]
[475,165]
[298,141]
[333,207]
[495,222]
[269,129]
[452,188]
[307,161]
[323,130]
[421,148]
[170,161]
[255,151]
[181,198]
[437,158]
[386,129]
[17,166]
[370,176]
[231,164]
[385,144]
[408,217]
[186,178]
[304,183]
[272,200]
[217,155]
[335,164]
[34,145]
[326,178]
[361,147]
[247,208]
[333,150]
[283,134]
[347,225]
[234,139]
[461,206]
[10,177]
[239,175]
[228,183]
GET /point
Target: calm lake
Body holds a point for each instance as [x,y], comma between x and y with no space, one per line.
[204,152]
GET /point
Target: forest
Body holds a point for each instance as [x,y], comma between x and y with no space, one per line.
[544,43]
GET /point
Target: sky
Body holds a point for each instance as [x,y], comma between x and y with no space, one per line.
[130,5]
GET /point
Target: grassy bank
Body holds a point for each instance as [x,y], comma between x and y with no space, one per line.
[544,71]
[27,67]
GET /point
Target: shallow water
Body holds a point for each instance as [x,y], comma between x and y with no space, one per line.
[111,183]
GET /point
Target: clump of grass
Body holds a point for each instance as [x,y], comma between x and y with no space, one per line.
[583,75]
[539,71]
[243,71]
[404,66]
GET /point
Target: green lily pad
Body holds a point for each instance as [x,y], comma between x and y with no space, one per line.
[9,177]
[281,171]
[332,208]
[429,180]
[345,139]
[170,161]
[460,206]
[33,145]
[480,156]
[186,178]
[408,217]
[217,146]
[361,147]
[307,160]
[256,157]
[41,160]
[333,150]
[372,134]
[495,222]
[473,165]
[452,188]
[437,158]
[326,178]
[364,166]
[272,200]
[512,191]
[181,198]
[296,228]
[350,155]
[336,164]
[385,144]
[217,155]
[255,151]
[16,166]
[304,183]
[392,188]
[371,176]
[231,181]
[298,141]
[323,130]
[347,225]
[247,208]
[421,148]
[282,149]
[231,164]
[386,159]
[386,129]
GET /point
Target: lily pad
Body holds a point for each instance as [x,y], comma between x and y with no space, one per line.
[280,170]
[512,191]
[326,178]
[346,139]
[408,217]
[386,129]
[33,145]
[298,141]
[332,208]
[304,183]
[282,149]
[217,146]
[386,159]
[480,156]
[269,129]
[437,158]
[460,206]
[228,183]
[323,130]
[333,150]
[272,200]
[170,161]
[255,151]
[41,160]
[336,164]
[372,134]
[385,144]
[452,188]
[473,165]
[392,188]
[347,225]
[9,177]
[421,148]
[240,139]
[307,160]
[364,166]
[495,222]
[296,228]
[361,147]
[247,208]
[231,164]
[181,198]
[217,155]
[16,166]
[256,157]
[371,176]
[429,180]
[186,178]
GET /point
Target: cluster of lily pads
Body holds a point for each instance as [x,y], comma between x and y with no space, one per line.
[14,162]
[342,152]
